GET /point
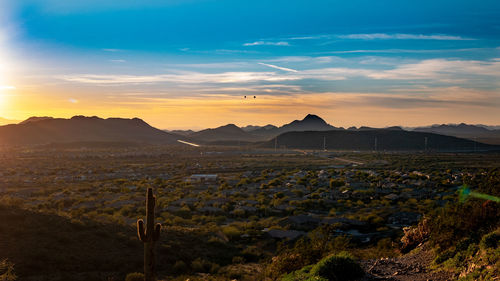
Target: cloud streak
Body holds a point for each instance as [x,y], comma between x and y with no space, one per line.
[401,36]
[188,77]
[278,67]
[267,43]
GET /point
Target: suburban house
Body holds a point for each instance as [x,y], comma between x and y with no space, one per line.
[202,178]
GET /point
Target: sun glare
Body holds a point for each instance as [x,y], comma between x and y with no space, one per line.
[4,87]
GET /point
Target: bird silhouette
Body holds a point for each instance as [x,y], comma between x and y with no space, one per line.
[254,97]
[245,96]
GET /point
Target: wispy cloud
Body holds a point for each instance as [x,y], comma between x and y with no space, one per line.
[427,71]
[180,77]
[267,43]
[278,67]
[7,87]
[111,50]
[118,61]
[401,36]
[439,69]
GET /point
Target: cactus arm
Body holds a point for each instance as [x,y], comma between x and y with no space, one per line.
[140,230]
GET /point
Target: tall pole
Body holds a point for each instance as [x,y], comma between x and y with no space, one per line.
[375,143]
[425,144]
[275,144]
[324,143]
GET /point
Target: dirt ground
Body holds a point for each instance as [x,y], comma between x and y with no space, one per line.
[413,266]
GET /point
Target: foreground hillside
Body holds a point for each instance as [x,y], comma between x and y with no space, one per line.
[70,215]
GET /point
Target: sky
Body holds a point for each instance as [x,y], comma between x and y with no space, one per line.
[182,64]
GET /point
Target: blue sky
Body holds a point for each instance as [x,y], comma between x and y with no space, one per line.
[182,64]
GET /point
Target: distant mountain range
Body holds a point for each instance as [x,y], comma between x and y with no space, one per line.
[375,139]
[312,132]
[250,133]
[46,130]
[472,132]
[230,133]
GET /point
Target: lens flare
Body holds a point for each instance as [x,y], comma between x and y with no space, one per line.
[465,192]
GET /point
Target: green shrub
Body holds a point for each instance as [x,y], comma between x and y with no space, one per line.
[490,240]
[231,232]
[136,276]
[302,275]
[336,183]
[238,259]
[204,266]
[444,256]
[339,267]
[180,267]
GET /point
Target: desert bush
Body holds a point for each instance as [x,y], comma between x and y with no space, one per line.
[136,276]
[306,251]
[490,240]
[238,259]
[415,235]
[180,267]
[231,231]
[337,267]
[302,275]
[341,267]
[201,265]
[336,183]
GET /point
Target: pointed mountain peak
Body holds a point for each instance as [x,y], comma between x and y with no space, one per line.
[312,117]
[230,126]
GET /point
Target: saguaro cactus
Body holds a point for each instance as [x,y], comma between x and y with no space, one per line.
[149,236]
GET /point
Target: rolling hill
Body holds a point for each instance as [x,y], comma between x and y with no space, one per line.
[472,132]
[45,130]
[376,139]
[229,132]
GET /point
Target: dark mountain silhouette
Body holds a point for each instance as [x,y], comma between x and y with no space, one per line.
[310,123]
[392,140]
[180,132]
[40,131]
[453,129]
[36,119]
[251,128]
[394,128]
[462,130]
[229,132]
